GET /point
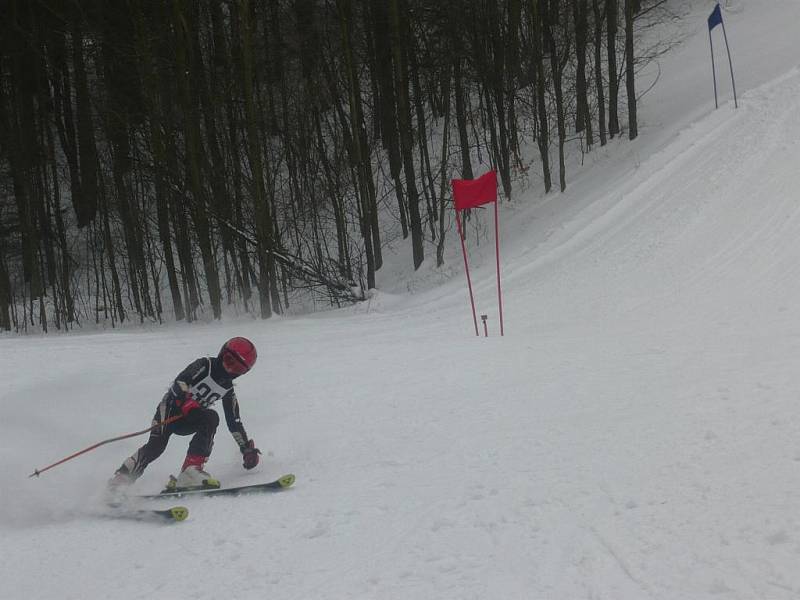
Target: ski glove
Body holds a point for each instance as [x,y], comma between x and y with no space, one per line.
[188,404]
[250,455]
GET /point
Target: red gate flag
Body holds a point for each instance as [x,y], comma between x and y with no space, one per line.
[469,193]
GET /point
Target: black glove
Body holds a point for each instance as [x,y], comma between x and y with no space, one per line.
[250,455]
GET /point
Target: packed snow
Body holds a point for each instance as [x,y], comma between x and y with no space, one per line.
[635,434]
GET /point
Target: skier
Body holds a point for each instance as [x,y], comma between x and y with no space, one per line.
[194,390]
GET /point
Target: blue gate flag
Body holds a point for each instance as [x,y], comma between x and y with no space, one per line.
[715,18]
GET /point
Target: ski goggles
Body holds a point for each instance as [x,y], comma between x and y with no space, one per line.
[233,363]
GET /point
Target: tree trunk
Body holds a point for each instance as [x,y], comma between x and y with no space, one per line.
[538,43]
[613,78]
[630,83]
[461,119]
[598,70]
[190,82]
[5,290]
[358,147]
[400,48]
[583,118]
[262,212]
[87,147]
[386,105]
[443,165]
[551,22]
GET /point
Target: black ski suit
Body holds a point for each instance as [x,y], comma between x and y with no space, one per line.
[205,381]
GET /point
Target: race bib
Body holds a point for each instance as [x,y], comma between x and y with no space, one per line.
[207,391]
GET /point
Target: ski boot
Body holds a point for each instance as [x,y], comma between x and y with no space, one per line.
[117,487]
[191,477]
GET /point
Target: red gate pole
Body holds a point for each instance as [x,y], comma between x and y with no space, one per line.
[466,268]
[497,253]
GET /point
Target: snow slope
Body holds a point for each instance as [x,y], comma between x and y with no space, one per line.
[634,435]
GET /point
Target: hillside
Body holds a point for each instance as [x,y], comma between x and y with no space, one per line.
[634,435]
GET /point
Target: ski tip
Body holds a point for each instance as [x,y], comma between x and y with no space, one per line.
[286,481]
[179,513]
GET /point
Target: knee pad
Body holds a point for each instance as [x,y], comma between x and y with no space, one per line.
[212,417]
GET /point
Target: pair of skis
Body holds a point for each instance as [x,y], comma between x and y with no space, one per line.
[180,513]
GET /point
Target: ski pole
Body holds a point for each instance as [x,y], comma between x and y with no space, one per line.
[172,419]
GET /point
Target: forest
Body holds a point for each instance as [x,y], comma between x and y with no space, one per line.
[171,160]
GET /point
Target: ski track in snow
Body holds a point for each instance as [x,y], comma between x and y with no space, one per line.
[634,435]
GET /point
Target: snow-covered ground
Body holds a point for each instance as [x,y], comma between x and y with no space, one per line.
[636,433]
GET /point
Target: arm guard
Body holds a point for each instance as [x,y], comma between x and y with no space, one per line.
[231,406]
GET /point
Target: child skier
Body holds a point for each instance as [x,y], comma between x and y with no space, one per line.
[191,395]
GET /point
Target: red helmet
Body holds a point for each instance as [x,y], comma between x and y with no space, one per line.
[238,355]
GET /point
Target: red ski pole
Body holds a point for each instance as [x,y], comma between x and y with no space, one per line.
[38,472]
